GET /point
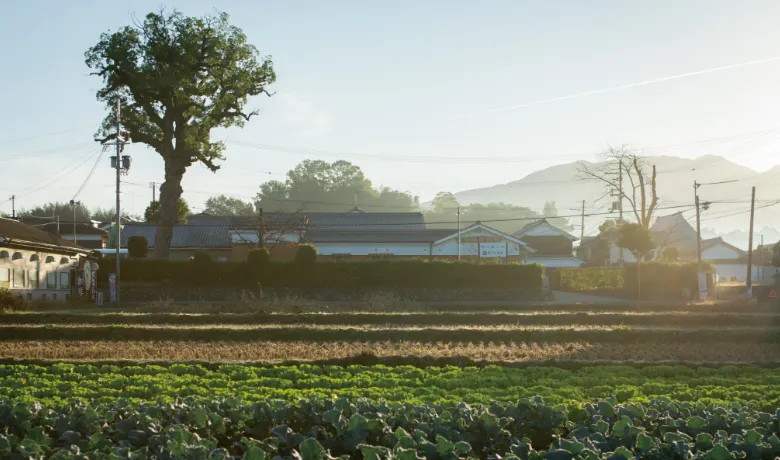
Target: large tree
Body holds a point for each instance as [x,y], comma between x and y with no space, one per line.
[177,78]
[223,205]
[316,185]
[639,242]
[628,177]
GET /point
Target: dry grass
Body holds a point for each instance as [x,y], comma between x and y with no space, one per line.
[726,352]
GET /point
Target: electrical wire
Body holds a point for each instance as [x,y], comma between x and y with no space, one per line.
[89,176]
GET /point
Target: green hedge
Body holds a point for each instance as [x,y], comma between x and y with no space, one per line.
[668,280]
[587,279]
[358,275]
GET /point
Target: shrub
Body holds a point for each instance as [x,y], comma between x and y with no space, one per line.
[662,280]
[258,258]
[588,279]
[306,255]
[137,247]
[11,301]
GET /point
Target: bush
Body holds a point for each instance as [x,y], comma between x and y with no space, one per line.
[258,258]
[306,255]
[376,274]
[137,247]
[11,301]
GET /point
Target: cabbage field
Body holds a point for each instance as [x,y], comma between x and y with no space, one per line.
[575,382]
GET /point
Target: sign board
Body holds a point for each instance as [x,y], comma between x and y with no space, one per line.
[112,287]
[702,286]
[492,250]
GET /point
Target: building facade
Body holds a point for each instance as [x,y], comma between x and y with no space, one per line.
[37,265]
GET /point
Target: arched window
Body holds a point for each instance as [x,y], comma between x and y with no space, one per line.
[17,256]
[4,254]
[34,258]
[49,259]
[64,261]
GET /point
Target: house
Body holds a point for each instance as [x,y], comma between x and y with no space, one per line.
[38,265]
[729,262]
[208,235]
[552,247]
[675,230]
[87,234]
[405,235]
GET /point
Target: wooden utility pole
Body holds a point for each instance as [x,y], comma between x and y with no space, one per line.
[261,233]
[154,191]
[13,206]
[750,244]
[582,224]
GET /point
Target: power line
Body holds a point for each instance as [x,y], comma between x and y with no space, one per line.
[89,176]
[13,141]
[63,174]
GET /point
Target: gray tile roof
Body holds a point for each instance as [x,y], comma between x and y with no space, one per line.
[373,236]
[204,233]
[387,221]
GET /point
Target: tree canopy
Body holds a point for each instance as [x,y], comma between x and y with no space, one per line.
[316,185]
[177,78]
[223,205]
[636,239]
[55,209]
[152,213]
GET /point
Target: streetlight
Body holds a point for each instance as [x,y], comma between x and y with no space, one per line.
[74,204]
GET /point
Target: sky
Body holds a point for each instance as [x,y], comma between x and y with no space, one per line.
[401,89]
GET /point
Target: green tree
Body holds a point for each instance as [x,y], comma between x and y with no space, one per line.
[445,202]
[223,205]
[670,254]
[639,241]
[152,215]
[177,79]
[776,255]
[316,185]
[50,211]
[104,215]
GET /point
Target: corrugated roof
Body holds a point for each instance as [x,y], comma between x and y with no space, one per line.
[204,233]
[82,228]
[373,236]
[11,229]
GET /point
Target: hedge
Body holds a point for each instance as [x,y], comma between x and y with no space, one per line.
[668,280]
[587,279]
[339,274]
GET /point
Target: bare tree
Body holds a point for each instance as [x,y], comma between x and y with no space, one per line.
[625,173]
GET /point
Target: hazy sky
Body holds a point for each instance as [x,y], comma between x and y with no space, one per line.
[386,84]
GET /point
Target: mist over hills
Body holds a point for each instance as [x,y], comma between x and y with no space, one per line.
[561,183]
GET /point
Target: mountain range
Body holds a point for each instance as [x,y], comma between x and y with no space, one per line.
[730,202]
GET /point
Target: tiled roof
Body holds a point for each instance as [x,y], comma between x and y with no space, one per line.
[387,221]
[373,236]
[539,223]
[82,228]
[204,233]
[12,230]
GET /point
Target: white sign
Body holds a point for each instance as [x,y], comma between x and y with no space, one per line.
[492,249]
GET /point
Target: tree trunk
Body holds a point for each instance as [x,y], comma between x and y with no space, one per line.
[170,192]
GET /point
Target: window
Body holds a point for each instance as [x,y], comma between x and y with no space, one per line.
[18,278]
[43,296]
[5,277]
[54,297]
[29,297]
[51,280]
[32,279]
[64,280]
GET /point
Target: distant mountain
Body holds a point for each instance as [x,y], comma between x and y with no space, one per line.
[560,183]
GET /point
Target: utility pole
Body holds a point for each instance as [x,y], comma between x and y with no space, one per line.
[698,225]
[154,191]
[761,273]
[13,206]
[582,223]
[458,233]
[73,204]
[261,233]
[118,181]
[750,244]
